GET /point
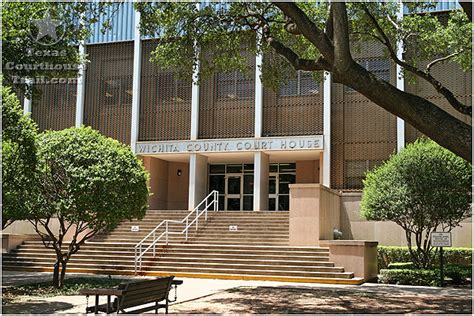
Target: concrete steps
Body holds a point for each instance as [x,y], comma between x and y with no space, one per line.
[258,250]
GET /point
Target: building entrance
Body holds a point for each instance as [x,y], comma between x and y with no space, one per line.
[235,182]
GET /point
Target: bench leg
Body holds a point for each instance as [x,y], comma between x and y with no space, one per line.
[156,307]
[166,305]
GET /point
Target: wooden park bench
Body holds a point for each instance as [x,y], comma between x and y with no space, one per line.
[133,295]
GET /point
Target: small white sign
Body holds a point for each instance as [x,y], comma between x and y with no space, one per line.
[135,228]
[233,228]
[441,239]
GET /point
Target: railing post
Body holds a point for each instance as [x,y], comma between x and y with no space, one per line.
[186,228]
[197,218]
[216,201]
[167,233]
[154,238]
[135,260]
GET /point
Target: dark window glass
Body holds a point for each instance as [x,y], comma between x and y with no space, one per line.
[233,185]
[217,183]
[272,185]
[287,167]
[274,167]
[217,169]
[234,168]
[283,203]
[248,168]
[233,204]
[248,184]
[271,204]
[248,203]
[284,181]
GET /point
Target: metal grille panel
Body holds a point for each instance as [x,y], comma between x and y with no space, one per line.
[108,99]
[296,109]
[54,106]
[455,79]
[363,134]
[227,105]
[165,102]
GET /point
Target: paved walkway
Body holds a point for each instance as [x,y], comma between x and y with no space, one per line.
[223,296]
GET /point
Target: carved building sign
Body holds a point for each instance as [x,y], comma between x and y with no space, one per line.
[231,145]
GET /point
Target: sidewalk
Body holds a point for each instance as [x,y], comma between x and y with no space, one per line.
[234,296]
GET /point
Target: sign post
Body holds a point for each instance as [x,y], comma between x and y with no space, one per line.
[441,239]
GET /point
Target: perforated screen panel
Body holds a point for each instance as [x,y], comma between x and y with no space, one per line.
[227,105]
[108,98]
[54,106]
[455,79]
[362,133]
[165,101]
[296,109]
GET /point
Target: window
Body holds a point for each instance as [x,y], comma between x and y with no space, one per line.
[355,171]
[379,67]
[171,89]
[117,91]
[303,84]
[234,85]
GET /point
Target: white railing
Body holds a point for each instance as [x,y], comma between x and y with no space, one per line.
[152,236]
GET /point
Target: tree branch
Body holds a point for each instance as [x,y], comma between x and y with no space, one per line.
[455,103]
[308,29]
[342,53]
[434,62]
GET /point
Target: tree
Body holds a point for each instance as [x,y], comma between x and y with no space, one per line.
[27,54]
[310,37]
[422,189]
[18,158]
[88,183]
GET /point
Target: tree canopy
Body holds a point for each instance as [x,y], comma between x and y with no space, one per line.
[310,37]
[422,188]
[18,159]
[87,182]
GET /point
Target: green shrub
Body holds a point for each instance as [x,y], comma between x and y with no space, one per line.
[458,273]
[409,277]
[390,254]
[401,265]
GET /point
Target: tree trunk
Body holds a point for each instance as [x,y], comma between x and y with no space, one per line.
[59,272]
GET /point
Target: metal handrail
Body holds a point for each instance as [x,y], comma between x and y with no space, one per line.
[138,247]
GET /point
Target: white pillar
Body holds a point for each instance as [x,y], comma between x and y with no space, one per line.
[195,103]
[195,94]
[260,187]
[258,95]
[137,61]
[81,88]
[197,179]
[326,179]
[27,101]
[400,85]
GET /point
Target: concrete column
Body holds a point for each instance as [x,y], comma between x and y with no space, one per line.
[81,88]
[195,94]
[197,179]
[27,101]
[137,60]
[258,95]
[400,85]
[195,105]
[260,183]
[326,169]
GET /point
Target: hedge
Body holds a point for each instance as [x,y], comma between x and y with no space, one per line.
[403,273]
[409,277]
[390,254]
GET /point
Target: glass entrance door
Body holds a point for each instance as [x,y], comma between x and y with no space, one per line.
[233,190]
[280,177]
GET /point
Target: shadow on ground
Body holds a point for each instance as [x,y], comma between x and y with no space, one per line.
[290,300]
[35,307]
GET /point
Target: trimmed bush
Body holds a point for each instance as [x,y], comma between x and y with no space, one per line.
[391,254]
[458,273]
[401,265]
[409,277]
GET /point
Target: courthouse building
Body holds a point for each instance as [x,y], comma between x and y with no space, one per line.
[231,134]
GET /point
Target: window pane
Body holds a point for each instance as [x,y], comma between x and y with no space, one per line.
[217,169]
[248,203]
[233,185]
[272,185]
[248,168]
[274,167]
[284,181]
[217,183]
[287,167]
[272,204]
[234,168]
[248,184]
[283,202]
[233,204]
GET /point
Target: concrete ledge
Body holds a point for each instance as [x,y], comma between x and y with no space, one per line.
[11,241]
[358,256]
